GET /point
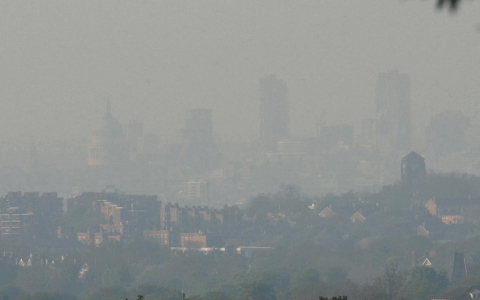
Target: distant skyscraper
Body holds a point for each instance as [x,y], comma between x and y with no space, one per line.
[394,127]
[368,134]
[199,126]
[33,162]
[274,112]
[199,136]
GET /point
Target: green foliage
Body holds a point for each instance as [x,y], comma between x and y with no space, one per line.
[334,298]
[150,291]
[451,186]
[424,282]
[51,296]
[306,277]
[472,277]
[195,274]
[214,295]
[8,272]
[116,276]
[453,4]
[42,278]
[391,283]
[10,292]
[109,293]
[260,206]
[257,291]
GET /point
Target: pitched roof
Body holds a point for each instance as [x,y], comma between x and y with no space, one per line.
[357,217]
[426,262]
[326,212]
[413,156]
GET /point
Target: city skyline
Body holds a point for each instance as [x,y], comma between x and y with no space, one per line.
[153,75]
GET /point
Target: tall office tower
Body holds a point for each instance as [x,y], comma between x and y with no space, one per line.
[199,137]
[33,162]
[274,117]
[394,127]
[199,126]
[368,134]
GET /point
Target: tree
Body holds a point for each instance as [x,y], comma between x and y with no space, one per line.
[152,292]
[424,282]
[213,295]
[10,292]
[257,291]
[52,296]
[306,277]
[453,4]
[109,293]
[371,291]
[392,281]
[8,272]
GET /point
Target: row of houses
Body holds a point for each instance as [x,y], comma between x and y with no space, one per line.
[356,217]
[126,217]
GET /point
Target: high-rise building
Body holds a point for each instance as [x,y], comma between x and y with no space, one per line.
[199,126]
[394,125]
[199,137]
[368,134]
[33,162]
[274,112]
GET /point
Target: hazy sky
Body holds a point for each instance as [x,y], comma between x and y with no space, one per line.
[61,60]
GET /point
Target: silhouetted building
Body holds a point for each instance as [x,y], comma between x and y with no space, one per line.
[108,145]
[31,214]
[199,137]
[274,112]
[369,133]
[197,190]
[199,126]
[413,171]
[33,162]
[459,269]
[336,135]
[394,126]
[33,167]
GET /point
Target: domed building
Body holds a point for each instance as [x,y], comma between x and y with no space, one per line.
[108,145]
